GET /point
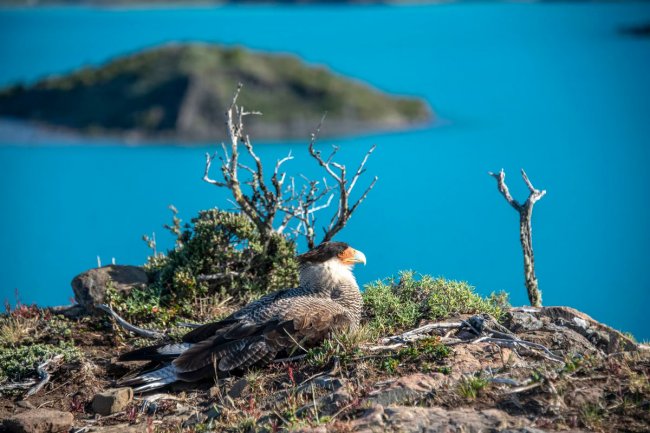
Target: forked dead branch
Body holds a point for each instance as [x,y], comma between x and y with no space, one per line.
[525,211]
[283,205]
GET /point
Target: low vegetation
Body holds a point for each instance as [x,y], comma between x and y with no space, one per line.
[400,303]
[30,336]
[217,264]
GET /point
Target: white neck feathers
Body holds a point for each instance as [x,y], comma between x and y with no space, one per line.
[329,274]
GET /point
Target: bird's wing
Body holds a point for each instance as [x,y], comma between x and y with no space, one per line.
[299,322]
[263,308]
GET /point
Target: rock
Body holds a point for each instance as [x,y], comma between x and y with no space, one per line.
[112,400]
[39,421]
[69,311]
[407,389]
[518,321]
[328,382]
[119,428]
[436,420]
[332,403]
[90,287]
[601,336]
[238,388]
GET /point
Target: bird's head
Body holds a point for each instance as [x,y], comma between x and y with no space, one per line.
[329,264]
[332,252]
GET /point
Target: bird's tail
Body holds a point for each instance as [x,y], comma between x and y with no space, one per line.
[160,352]
[152,380]
[157,378]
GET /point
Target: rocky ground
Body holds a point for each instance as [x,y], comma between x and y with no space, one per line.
[536,369]
[451,377]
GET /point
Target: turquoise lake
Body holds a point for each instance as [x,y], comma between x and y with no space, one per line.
[553,88]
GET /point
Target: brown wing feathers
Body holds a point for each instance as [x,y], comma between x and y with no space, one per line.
[242,344]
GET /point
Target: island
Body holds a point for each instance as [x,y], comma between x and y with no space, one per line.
[179,92]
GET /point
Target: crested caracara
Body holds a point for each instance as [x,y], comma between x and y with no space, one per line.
[327,299]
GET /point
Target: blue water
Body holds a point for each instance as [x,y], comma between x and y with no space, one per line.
[553,88]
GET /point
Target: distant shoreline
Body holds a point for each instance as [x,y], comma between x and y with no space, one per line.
[176,4]
[19,133]
[163,4]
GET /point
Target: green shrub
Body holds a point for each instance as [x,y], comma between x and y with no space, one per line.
[228,247]
[220,256]
[393,305]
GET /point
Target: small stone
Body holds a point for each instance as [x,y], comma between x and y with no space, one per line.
[194,419]
[328,382]
[39,421]
[238,388]
[212,413]
[112,400]
[25,404]
[521,321]
[214,392]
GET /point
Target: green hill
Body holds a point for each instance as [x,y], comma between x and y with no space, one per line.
[181,91]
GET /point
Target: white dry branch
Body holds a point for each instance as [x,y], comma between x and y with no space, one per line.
[147,333]
[525,211]
[274,206]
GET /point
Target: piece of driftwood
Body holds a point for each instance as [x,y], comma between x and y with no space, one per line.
[43,374]
[147,333]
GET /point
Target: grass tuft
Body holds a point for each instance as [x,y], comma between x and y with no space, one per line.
[469,387]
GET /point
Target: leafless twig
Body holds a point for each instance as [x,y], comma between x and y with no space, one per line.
[409,335]
[338,172]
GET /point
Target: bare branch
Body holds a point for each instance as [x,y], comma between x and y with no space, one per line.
[262,201]
[365,193]
[206,174]
[147,333]
[43,374]
[525,231]
[503,189]
[361,169]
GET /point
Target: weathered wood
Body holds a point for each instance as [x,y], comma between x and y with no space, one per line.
[525,211]
[273,206]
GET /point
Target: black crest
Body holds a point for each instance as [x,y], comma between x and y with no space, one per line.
[323,252]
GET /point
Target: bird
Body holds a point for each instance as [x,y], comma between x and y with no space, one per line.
[327,299]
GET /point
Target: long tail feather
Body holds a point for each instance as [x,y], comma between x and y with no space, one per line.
[152,380]
[160,352]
